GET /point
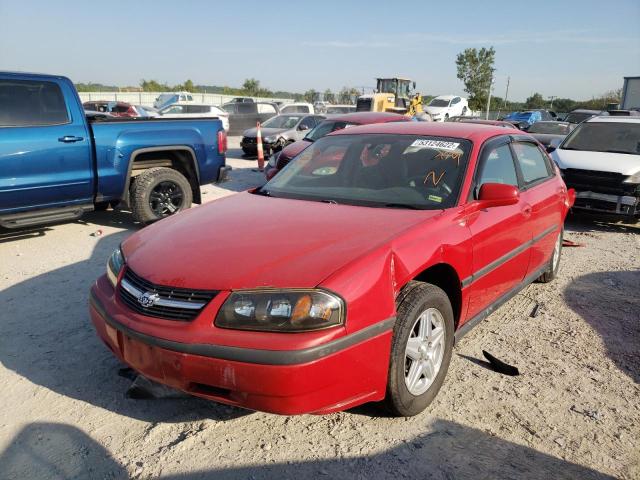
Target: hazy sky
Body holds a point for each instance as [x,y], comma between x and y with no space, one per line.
[566,48]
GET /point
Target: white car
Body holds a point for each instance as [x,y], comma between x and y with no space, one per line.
[297,108]
[165,99]
[195,110]
[600,160]
[445,106]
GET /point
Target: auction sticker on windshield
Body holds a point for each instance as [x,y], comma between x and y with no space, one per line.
[437,144]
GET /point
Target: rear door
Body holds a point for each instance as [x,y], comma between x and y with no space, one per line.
[501,235]
[45,149]
[541,190]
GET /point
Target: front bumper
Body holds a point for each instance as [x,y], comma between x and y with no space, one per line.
[330,377]
[607,203]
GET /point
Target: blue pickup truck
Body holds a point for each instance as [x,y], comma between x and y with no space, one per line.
[56,162]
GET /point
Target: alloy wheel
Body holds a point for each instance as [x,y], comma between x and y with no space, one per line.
[424,351]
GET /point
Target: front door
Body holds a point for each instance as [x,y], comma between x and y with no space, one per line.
[45,149]
[501,235]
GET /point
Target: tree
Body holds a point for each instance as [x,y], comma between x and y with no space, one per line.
[188,86]
[154,86]
[328,96]
[344,96]
[535,101]
[475,69]
[310,95]
[251,86]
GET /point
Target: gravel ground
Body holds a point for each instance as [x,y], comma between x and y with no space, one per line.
[573,412]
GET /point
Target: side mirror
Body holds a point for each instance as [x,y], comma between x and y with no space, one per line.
[497,195]
[302,128]
[551,148]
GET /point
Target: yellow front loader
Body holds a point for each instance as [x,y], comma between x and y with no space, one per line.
[391,95]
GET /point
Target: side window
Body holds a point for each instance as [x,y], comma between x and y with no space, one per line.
[231,108]
[189,98]
[262,107]
[455,100]
[28,103]
[173,109]
[532,162]
[498,167]
[196,109]
[309,122]
[246,108]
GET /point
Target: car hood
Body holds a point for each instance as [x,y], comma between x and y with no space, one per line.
[253,132]
[250,241]
[294,149]
[626,164]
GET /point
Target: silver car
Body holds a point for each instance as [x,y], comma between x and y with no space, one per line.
[279,131]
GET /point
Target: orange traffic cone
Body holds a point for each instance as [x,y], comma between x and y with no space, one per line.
[260,149]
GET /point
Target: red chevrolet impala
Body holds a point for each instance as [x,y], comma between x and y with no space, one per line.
[396,240]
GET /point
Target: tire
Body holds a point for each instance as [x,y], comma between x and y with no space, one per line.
[159,192]
[464,111]
[419,302]
[446,117]
[554,262]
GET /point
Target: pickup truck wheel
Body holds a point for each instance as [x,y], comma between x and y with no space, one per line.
[159,192]
[554,262]
[420,348]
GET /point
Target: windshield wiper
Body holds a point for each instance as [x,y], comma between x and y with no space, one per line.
[399,205]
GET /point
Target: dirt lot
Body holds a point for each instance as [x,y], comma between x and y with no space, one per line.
[574,412]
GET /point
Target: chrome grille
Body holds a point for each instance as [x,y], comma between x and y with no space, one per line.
[171,303]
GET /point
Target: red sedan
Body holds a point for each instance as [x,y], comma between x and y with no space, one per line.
[384,259]
[337,122]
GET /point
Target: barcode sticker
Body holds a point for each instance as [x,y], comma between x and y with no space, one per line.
[437,144]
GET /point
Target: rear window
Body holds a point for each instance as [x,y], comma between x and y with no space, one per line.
[612,137]
[29,103]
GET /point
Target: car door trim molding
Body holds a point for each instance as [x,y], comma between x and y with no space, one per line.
[506,257]
[469,324]
[249,355]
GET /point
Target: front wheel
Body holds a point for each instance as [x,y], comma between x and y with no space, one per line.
[554,262]
[159,192]
[420,350]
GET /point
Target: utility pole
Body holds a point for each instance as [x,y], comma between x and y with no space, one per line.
[552,98]
[506,95]
[489,97]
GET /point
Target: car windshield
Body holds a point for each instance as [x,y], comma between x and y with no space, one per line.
[376,170]
[615,137]
[282,121]
[439,102]
[577,117]
[551,128]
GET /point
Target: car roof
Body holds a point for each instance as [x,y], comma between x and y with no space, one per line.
[469,131]
[196,104]
[367,117]
[613,119]
[446,97]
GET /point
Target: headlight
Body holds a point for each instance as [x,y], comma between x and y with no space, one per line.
[281,310]
[115,265]
[270,139]
[635,178]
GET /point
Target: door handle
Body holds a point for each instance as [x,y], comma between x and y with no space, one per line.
[70,139]
[526,210]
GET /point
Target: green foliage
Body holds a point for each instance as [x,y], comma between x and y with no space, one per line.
[154,86]
[95,87]
[328,96]
[475,69]
[251,86]
[310,95]
[536,101]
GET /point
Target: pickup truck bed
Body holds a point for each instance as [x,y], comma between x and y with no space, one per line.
[56,164]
